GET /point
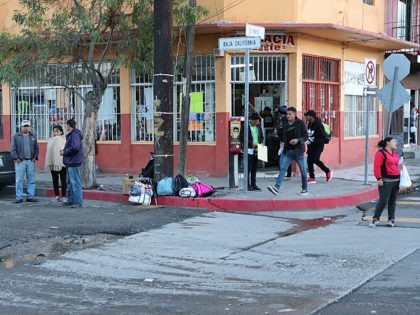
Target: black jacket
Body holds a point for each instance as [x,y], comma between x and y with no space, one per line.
[250,140]
[316,133]
[298,131]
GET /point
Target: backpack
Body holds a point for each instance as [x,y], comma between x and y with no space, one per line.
[203,190]
[327,133]
[140,194]
[179,183]
[187,192]
[165,187]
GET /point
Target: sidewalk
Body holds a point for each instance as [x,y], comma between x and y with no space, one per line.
[345,189]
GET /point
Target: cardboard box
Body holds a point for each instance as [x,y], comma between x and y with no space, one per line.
[127,182]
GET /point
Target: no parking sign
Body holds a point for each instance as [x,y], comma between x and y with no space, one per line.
[370,72]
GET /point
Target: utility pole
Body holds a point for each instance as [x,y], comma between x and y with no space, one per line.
[185,108]
[163,89]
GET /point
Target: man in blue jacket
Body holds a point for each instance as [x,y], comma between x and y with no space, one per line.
[73,159]
[24,151]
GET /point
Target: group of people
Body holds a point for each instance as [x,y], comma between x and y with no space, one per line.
[294,135]
[64,157]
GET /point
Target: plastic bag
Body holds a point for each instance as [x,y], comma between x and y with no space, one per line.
[405,180]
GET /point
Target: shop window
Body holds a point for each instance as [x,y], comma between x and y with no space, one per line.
[354,102]
[202,107]
[320,89]
[355,116]
[46,106]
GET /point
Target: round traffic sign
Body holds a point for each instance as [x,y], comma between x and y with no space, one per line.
[370,72]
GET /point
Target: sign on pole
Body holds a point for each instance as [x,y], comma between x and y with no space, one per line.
[254,30]
[239,43]
[370,72]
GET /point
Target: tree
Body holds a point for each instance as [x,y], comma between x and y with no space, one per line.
[79,38]
[86,41]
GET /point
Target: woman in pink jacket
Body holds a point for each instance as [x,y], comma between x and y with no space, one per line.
[386,168]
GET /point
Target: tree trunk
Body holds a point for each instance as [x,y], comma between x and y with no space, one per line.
[93,101]
[185,109]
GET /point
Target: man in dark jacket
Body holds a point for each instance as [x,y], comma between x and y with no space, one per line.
[24,151]
[73,159]
[255,137]
[281,122]
[294,137]
[315,143]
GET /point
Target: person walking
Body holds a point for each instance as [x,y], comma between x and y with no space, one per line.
[386,168]
[255,137]
[294,137]
[24,151]
[54,163]
[73,159]
[281,121]
[315,143]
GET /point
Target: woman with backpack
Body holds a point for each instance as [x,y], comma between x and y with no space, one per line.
[386,168]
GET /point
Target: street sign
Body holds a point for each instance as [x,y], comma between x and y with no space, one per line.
[254,30]
[396,60]
[239,43]
[370,72]
[400,98]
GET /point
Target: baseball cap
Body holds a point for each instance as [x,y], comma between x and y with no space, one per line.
[310,112]
[25,123]
[254,116]
[283,109]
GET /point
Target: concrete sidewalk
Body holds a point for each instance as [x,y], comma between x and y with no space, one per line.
[347,188]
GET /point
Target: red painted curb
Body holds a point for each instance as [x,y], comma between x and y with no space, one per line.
[249,205]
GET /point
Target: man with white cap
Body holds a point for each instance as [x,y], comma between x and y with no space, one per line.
[24,151]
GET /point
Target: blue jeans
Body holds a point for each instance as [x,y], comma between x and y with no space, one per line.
[74,185]
[25,167]
[285,160]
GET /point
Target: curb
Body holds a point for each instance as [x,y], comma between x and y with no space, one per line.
[246,205]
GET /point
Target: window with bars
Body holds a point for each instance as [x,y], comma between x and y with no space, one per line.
[320,89]
[202,107]
[355,116]
[371,2]
[47,106]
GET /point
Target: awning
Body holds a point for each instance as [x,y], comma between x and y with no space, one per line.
[327,31]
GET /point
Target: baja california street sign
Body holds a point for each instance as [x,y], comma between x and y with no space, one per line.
[239,43]
[370,72]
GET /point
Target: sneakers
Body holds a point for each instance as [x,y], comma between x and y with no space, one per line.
[256,188]
[390,223]
[250,188]
[63,199]
[56,199]
[373,223]
[288,177]
[31,200]
[329,176]
[304,192]
[18,200]
[273,190]
[311,181]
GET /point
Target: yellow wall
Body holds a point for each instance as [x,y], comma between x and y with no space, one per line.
[352,13]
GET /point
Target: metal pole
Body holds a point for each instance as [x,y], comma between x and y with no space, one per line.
[391,104]
[366,134]
[246,123]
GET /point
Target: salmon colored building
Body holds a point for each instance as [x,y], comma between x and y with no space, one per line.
[312,57]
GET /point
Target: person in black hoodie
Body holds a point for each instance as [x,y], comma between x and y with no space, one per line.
[255,137]
[294,136]
[315,144]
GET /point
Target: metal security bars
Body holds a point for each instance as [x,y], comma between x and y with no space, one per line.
[320,89]
[47,106]
[203,106]
[355,116]
[263,68]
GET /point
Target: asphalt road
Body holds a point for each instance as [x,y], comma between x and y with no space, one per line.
[110,258]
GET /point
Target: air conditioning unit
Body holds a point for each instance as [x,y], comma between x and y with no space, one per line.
[219,53]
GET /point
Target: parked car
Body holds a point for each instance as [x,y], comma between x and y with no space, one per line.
[7,169]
